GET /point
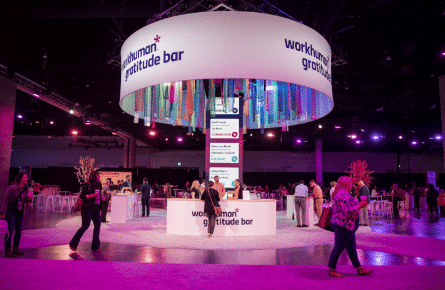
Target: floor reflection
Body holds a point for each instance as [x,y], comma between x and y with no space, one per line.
[313,255]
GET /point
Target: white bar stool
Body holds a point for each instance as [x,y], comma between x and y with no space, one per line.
[65,204]
[49,198]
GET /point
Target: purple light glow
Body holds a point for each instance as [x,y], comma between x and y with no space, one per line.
[298,141]
[353,136]
[414,142]
[337,127]
[400,137]
[358,142]
[438,137]
[375,137]
[36,95]
[19,116]
[180,139]
[443,53]
[152,133]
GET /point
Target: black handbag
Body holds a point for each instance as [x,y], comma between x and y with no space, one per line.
[325,219]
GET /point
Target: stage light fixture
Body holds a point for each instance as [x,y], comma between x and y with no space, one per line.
[180,139]
[74,132]
[71,111]
[51,122]
[400,137]
[152,133]
[320,126]
[19,116]
[438,137]
[299,141]
[337,127]
[270,135]
[414,142]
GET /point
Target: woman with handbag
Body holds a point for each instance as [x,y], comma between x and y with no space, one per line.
[11,210]
[211,207]
[91,208]
[345,222]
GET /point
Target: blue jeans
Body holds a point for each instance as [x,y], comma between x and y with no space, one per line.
[344,238]
[88,215]
[15,224]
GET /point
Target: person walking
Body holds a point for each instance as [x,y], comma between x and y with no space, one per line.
[344,221]
[145,197]
[301,193]
[211,199]
[11,209]
[106,193]
[364,191]
[92,198]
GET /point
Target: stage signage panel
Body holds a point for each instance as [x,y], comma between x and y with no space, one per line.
[227,175]
[224,128]
[231,110]
[224,153]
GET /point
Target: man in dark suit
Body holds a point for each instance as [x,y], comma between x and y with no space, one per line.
[145,197]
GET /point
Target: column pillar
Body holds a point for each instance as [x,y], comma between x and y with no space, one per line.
[126,147]
[8,91]
[132,153]
[318,161]
[442,108]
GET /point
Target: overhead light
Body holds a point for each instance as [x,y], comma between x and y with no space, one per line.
[166,139]
[37,122]
[74,132]
[400,137]
[113,133]
[87,122]
[180,139]
[152,133]
[414,142]
[363,130]
[51,122]
[270,135]
[320,126]
[299,141]
[19,116]
[358,142]
[71,111]
[375,137]
[36,95]
[438,137]
[337,127]
[352,136]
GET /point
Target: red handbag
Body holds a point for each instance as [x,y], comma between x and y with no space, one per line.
[325,219]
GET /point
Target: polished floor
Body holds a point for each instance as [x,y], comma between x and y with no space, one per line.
[414,223]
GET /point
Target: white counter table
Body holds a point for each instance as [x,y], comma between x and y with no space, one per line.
[291,214]
[239,217]
[122,207]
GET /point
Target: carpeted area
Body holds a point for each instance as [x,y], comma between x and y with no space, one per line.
[46,274]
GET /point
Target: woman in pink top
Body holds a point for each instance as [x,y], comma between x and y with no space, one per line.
[344,221]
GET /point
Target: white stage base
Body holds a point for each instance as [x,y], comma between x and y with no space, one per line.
[239,218]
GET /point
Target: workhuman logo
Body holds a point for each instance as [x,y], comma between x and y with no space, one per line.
[318,62]
[226,218]
[147,57]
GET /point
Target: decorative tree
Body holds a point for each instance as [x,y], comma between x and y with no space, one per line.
[86,167]
[359,172]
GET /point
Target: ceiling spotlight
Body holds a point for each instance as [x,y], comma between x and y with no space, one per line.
[413,131]
[443,53]
[438,137]
[358,142]
[337,127]
[400,137]
[251,134]
[71,111]
[270,135]
[299,141]
[152,133]
[166,139]
[37,122]
[352,136]
[363,130]
[36,95]
[320,126]
[51,122]
[375,137]
[180,139]
[19,116]
[87,122]
[414,142]
[74,132]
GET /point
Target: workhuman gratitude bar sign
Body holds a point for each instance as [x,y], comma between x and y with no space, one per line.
[171,69]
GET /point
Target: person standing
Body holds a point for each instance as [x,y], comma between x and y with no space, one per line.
[301,193]
[219,187]
[127,182]
[237,192]
[399,195]
[145,197]
[344,221]
[416,194]
[11,210]
[106,193]
[211,199]
[364,191]
[317,194]
[331,190]
[186,188]
[91,196]
[431,199]
[195,192]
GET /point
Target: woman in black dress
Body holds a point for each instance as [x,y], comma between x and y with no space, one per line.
[195,189]
[211,198]
[91,207]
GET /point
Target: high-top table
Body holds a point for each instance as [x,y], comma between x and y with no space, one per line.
[238,217]
[291,213]
[122,207]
